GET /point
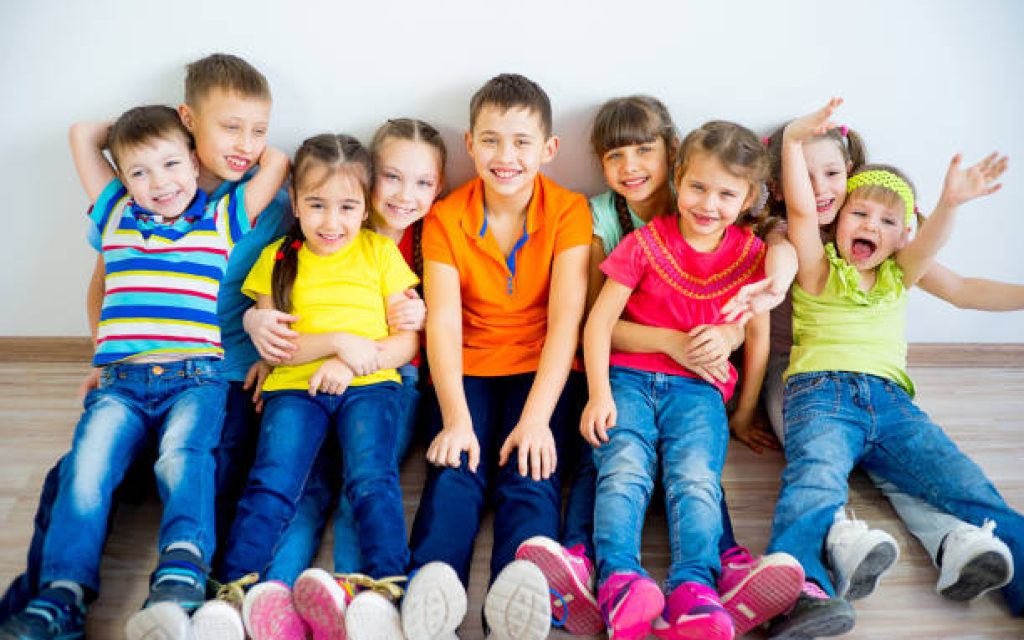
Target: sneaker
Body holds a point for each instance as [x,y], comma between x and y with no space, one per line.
[221,617]
[160,621]
[518,603]
[321,603]
[180,577]
[570,576]
[373,616]
[755,590]
[629,604]
[54,614]
[815,615]
[859,557]
[973,562]
[434,603]
[694,612]
[269,613]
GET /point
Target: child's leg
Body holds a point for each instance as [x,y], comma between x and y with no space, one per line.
[928,524]
[772,392]
[910,450]
[578,525]
[234,455]
[365,424]
[292,430]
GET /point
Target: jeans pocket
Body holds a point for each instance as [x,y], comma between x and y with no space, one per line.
[808,396]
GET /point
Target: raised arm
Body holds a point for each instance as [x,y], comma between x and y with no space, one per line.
[88,139]
[263,187]
[780,266]
[971,293]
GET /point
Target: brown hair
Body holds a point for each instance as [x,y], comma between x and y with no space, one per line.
[226,72]
[627,121]
[511,90]
[140,125]
[326,154]
[416,131]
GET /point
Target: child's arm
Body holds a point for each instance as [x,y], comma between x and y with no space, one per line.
[595,277]
[88,139]
[600,413]
[532,435]
[960,186]
[263,187]
[755,360]
[705,353]
[93,309]
[780,266]
[443,295]
[972,293]
[801,211]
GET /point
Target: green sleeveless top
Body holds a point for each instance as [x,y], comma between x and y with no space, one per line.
[846,329]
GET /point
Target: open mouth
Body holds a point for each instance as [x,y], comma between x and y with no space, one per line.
[633,183]
[862,249]
[704,220]
[402,212]
[505,174]
[824,205]
[238,163]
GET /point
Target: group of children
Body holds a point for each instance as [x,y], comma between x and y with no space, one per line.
[212,302]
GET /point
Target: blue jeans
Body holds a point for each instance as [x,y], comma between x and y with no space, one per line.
[294,427]
[836,420]
[453,500]
[183,404]
[682,421]
[301,540]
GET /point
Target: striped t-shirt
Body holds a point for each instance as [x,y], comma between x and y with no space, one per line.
[163,279]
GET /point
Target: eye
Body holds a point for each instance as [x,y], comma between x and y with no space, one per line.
[231,127]
[696,186]
[488,140]
[645,148]
[426,184]
[259,132]
[832,173]
[390,175]
[859,213]
[136,174]
[728,195]
[523,142]
[170,164]
[889,221]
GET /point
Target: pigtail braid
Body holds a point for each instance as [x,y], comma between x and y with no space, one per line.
[625,219]
[286,267]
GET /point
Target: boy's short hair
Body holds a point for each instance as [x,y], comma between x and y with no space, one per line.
[140,125]
[510,90]
[227,72]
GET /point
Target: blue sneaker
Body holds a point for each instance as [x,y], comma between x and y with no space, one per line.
[180,577]
[52,615]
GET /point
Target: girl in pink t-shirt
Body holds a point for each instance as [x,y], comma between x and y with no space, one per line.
[676,272]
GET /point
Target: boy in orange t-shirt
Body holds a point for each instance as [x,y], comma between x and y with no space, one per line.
[505,271]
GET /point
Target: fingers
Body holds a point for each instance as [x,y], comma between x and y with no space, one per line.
[474,455]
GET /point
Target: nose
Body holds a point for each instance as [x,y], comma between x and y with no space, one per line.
[815,184]
[709,202]
[506,149]
[244,142]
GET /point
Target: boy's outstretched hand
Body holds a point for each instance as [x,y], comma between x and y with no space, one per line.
[962,185]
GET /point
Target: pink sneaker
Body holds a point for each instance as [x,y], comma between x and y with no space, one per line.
[570,577]
[269,614]
[755,590]
[694,612]
[629,603]
[321,603]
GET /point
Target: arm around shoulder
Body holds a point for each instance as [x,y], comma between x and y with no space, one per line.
[87,140]
[263,187]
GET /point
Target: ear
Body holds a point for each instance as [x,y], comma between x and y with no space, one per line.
[187,117]
[904,239]
[291,197]
[195,162]
[550,149]
[468,138]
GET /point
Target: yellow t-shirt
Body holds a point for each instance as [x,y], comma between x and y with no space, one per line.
[345,291]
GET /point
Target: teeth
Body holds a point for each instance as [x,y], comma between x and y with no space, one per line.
[505,173]
[633,182]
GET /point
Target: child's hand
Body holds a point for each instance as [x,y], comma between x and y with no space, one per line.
[813,124]
[408,314]
[964,185]
[254,379]
[90,382]
[710,371]
[752,299]
[446,448]
[332,377]
[751,431]
[362,355]
[271,333]
[598,417]
[535,445]
[710,344]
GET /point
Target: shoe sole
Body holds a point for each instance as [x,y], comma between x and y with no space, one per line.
[269,614]
[518,604]
[983,573]
[320,601]
[764,594]
[217,620]
[875,564]
[435,603]
[823,623]
[371,616]
[702,627]
[161,621]
[584,616]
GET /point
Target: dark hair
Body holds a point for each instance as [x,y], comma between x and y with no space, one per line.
[627,121]
[226,72]
[328,154]
[417,131]
[510,90]
[142,124]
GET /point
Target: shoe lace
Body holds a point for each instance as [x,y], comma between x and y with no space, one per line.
[988,526]
[234,592]
[387,587]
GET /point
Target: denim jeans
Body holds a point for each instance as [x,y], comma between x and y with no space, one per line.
[295,425]
[453,500]
[301,539]
[836,420]
[183,404]
[682,422]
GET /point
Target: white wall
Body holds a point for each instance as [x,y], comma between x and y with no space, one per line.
[922,79]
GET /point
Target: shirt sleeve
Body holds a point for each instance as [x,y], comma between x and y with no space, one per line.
[395,272]
[435,243]
[626,264]
[575,227]
[258,282]
[108,209]
[231,214]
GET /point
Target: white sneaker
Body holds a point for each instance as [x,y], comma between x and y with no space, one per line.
[973,562]
[434,603]
[217,620]
[518,604]
[372,616]
[161,621]
[859,557]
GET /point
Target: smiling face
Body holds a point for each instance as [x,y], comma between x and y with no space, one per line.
[828,172]
[508,148]
[330,211]
[230,131]
[870,230]
[160,174]
[637,172]
[407,180]
[710,198]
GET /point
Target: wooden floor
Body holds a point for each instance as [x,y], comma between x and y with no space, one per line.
[982,409]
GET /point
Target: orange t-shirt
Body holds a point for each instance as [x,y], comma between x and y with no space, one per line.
[504,302]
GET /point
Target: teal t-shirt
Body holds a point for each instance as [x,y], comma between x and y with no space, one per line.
[606,220]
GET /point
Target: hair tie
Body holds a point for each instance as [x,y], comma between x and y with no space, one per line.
[844,130]
[766,141]
[279,255]
[296,244]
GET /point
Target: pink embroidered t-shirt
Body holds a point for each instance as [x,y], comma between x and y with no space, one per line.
[678,287]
